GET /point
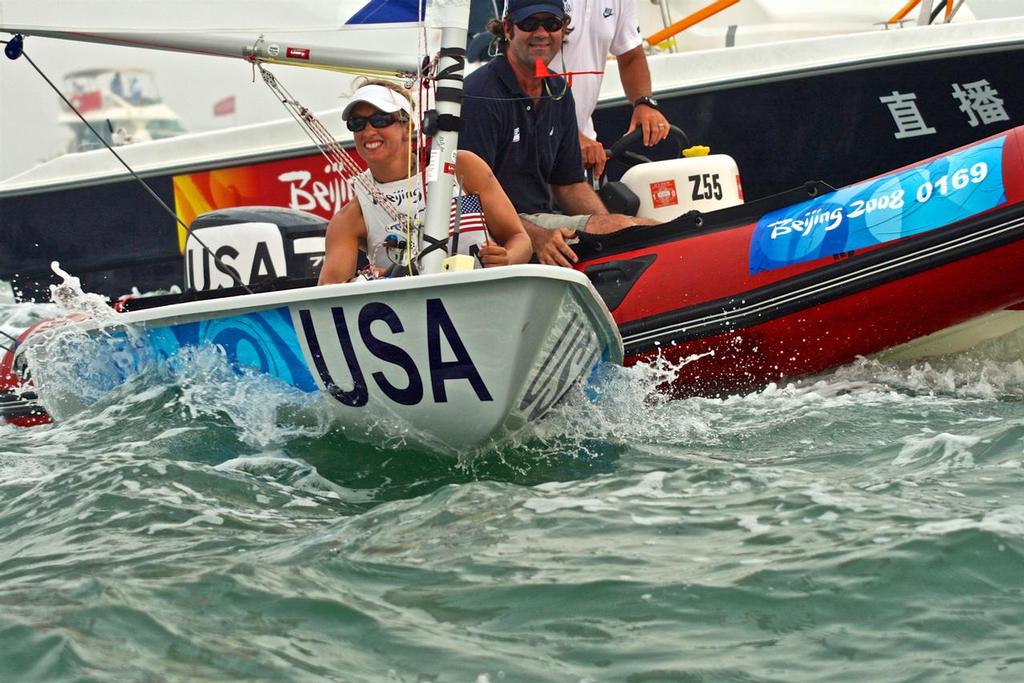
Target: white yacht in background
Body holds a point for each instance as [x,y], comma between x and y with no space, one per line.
[122,104]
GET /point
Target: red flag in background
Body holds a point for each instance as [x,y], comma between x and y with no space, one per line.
[225,106]
[87,101]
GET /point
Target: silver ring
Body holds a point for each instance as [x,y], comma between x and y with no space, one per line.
[661,125]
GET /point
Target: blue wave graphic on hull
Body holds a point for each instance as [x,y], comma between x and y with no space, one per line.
[264,341]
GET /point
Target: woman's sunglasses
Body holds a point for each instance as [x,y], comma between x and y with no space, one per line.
[550,24]
[378,120]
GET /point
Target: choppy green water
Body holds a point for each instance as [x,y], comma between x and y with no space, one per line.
[864,525]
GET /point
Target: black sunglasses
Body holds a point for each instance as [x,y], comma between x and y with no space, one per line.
[378,120]
[531,24]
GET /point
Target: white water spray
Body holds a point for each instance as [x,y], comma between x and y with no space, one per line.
[70,298]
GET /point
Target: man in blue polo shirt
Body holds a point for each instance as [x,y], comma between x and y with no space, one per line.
[525,128]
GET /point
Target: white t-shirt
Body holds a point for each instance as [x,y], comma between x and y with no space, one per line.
[600,28]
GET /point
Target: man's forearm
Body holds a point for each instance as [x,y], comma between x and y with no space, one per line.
[634,73]
[534,232]
[578,199]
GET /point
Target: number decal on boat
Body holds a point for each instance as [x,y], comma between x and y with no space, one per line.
[706,186]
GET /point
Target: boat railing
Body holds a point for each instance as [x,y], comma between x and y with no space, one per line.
[662,38]
[700,15]
[927,15]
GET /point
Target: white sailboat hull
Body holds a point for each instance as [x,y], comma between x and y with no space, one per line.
[448,361]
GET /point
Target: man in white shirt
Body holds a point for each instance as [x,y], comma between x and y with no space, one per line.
[604,27]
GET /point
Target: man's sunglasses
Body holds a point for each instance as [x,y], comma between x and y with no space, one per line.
[378,120]
[550,24]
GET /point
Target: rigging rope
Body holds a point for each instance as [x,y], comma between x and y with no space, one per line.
[342,162]
[9,349]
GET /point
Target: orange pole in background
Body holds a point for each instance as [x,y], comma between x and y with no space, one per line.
[695,18]
[949,10]
[905,11]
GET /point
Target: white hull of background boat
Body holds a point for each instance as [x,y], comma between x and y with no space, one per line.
[958,338]
[448,361]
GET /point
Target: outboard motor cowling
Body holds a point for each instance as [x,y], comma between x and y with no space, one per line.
[664,190]
[255,243]
[668,189]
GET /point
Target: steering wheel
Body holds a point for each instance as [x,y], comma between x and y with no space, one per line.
[616,193]
[619,151]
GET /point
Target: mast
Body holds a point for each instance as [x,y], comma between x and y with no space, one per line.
[265,49]
[452,17]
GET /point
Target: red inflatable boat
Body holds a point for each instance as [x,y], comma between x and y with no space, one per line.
[810,279]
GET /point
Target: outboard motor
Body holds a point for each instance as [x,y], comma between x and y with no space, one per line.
[255,243]
[664,190]
[19,403]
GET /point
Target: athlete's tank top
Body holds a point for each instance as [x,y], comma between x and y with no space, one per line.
[386,238]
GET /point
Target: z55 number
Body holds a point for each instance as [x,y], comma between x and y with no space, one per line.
[706,186]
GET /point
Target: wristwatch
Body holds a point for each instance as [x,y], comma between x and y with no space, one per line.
[648,100]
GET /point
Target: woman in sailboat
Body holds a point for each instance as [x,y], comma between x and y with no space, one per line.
[385,218]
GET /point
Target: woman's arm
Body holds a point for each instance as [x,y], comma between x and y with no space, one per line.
[502,220]
[345,234]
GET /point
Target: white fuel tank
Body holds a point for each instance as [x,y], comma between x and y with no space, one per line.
[668,189]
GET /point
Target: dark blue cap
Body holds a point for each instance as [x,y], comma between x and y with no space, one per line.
[518,10]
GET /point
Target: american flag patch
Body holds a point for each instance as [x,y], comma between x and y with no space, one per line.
[472,219]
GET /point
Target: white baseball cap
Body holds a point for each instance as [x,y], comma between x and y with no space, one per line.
[384,99]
